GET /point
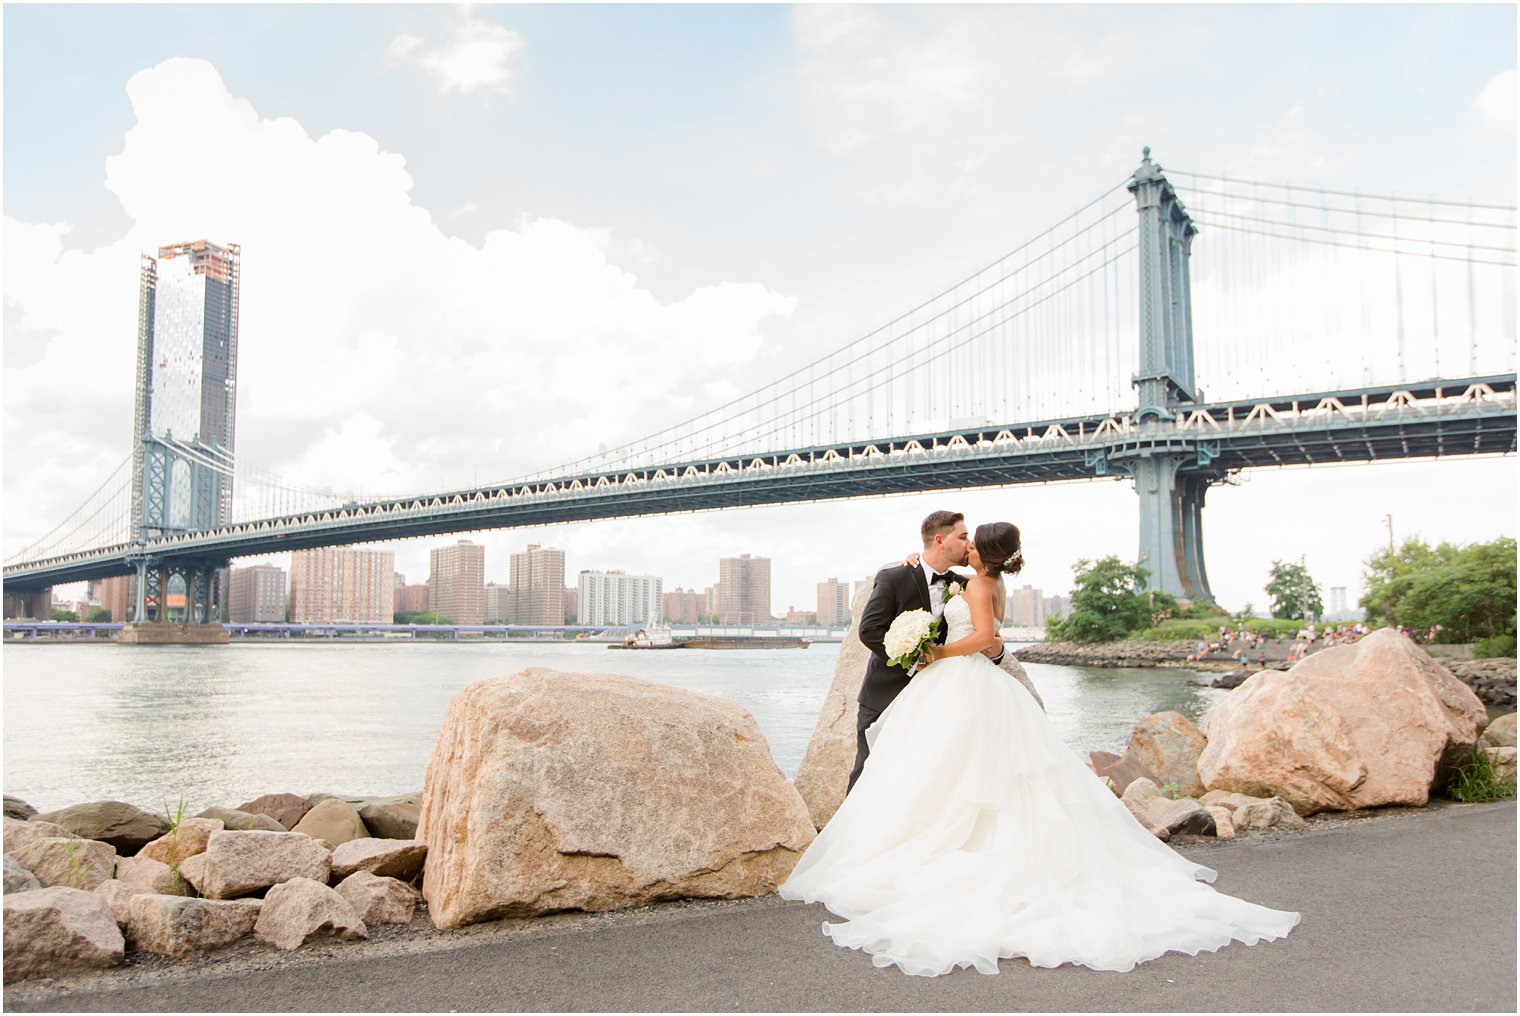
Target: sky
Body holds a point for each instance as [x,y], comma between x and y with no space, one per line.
[482,240]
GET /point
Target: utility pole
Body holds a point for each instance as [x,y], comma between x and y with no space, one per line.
[1389,519]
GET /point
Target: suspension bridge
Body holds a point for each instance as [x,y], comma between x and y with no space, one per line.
[1333,327]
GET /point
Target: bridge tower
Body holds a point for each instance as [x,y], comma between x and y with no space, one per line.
[1171,476]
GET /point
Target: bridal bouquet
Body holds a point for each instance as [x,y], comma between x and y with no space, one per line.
[910,633]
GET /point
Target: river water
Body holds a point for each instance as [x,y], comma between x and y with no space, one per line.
[224,724]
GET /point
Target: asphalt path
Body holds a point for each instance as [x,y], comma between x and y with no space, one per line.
[1409,913]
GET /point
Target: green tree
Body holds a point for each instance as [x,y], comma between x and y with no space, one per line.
[100,615]
[63,615]
[1292,591]
[1468,593]
[420,617]
[1108,601]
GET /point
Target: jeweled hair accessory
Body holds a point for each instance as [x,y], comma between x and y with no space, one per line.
[1014,558]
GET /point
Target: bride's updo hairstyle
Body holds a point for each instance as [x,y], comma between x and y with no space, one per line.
[998,545]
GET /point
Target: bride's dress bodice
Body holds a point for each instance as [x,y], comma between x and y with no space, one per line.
[957,619]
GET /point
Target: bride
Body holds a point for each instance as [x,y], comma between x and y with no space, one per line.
[974,834]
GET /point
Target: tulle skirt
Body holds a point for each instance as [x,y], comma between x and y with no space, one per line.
[975,834]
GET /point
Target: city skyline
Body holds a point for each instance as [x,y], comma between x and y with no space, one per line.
[875,194]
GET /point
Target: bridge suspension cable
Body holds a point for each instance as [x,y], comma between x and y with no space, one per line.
[1310,286]
[921,364]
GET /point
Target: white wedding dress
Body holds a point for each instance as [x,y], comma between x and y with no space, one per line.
[975,834]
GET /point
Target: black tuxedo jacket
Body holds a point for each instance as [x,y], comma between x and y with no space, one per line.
[898,588]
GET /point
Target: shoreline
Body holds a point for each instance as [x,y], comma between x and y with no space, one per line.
[563,933]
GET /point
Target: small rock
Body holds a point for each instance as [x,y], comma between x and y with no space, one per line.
[16,808]
[118,896]
[379,900]
[1224,825]
[186,840]
[1137,796]
[146,875]
[1273,811]
[124,826]
[18,832]
[243,821]
[286,809]
[333,820]
[299,910]
[67,861]
[238,863]
[1503,761]
[392,818]
[401,859]
[1229,799]
[1119,770]
[179,927]
[56,929]
[17,878]
[1499,734]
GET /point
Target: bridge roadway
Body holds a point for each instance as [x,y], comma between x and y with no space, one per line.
[1464,416]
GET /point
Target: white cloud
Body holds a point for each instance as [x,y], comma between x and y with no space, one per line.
[477,56]
[1496,103]
[926,101]
[377,353]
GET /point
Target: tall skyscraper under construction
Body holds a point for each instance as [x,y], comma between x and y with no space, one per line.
[187,339]
[184,419]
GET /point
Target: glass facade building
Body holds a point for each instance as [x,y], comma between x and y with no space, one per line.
[187,339]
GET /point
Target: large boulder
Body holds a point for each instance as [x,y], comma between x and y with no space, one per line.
[16,808]
[825,770]
[146,875]
[549,791]
[297,911]
[393,818]
[1274,811]
[56,929]
[238,863]
[1374,723]
[1168,744]
[179,927]
[17,878]
[124,826]
[67,860]
[332,820]
[379,900]
[286,809]
[401,859]
[185,840]
[243,821]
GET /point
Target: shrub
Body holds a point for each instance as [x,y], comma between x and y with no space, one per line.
[1477,780]
[1494,646]
[1180,631]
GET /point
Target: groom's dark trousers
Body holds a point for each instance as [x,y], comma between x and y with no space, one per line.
[898,589]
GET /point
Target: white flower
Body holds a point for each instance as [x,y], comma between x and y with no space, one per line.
[909,633]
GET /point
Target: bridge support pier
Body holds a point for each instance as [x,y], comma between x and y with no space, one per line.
[1171,526]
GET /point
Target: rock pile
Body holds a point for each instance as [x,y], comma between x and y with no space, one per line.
[1492,680]
[72,901]
[1124,653]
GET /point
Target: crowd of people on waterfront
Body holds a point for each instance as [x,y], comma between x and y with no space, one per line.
[1246,645]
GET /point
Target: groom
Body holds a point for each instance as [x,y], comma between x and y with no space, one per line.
[898,589]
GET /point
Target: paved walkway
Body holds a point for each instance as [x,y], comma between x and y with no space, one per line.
[1404,913]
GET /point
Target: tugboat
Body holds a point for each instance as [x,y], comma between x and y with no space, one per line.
[653,638]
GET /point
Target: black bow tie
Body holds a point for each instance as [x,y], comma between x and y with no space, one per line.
[945,577]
